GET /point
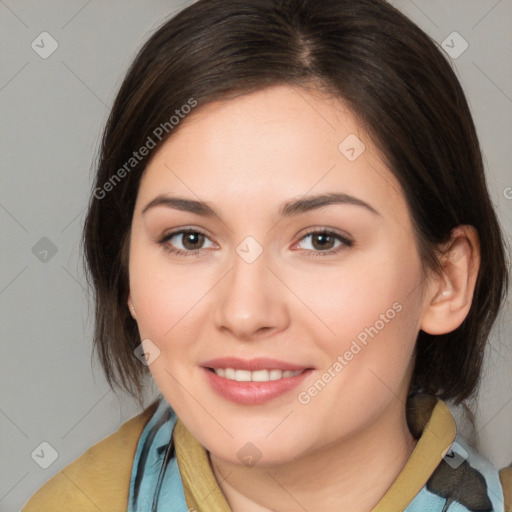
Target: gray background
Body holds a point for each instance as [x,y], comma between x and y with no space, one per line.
[53,111]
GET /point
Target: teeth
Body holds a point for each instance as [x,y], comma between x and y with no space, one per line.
[256,376]
[260,376]
[275,374]
[242,375]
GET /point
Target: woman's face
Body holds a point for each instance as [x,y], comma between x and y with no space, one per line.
[331,291]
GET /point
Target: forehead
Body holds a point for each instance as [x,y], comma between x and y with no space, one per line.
[270,145]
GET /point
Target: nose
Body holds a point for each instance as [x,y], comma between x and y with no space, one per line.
[251,302]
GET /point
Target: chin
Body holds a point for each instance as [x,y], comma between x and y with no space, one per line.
[256,451]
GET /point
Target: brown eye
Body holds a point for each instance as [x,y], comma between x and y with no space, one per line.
[323,242]
[192,241]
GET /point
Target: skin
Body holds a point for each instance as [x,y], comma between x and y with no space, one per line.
[245,157]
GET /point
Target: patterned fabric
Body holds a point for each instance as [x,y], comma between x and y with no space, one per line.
[148,462]
[463,481]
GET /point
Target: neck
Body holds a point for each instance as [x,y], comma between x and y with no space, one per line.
[352,474]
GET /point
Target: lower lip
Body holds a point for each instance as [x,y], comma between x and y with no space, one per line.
[253,393]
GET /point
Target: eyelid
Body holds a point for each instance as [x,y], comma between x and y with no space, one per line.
[173,232]
[323,229]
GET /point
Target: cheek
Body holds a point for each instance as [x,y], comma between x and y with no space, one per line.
[364,290]
[368,313]
[166,295]
[167,299]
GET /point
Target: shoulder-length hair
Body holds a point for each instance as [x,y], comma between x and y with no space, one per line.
[392,76]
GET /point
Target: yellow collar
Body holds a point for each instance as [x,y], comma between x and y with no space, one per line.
[202,493]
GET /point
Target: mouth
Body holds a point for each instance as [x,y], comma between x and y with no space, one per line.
[254,381]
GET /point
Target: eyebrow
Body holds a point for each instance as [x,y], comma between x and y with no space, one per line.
[287,209]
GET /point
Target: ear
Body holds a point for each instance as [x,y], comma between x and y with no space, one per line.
[131,306]
[449,296]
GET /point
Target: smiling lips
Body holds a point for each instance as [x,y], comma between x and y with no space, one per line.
[255,381]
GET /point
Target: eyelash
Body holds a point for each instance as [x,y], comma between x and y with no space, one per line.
[345,242]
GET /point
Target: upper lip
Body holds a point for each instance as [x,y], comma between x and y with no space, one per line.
[258,363]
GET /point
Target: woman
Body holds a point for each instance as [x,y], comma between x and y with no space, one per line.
[290,231]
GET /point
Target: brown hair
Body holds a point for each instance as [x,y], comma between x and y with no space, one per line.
[393,77]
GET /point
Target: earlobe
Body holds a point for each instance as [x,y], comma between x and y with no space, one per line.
[131,307]
[449,296]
